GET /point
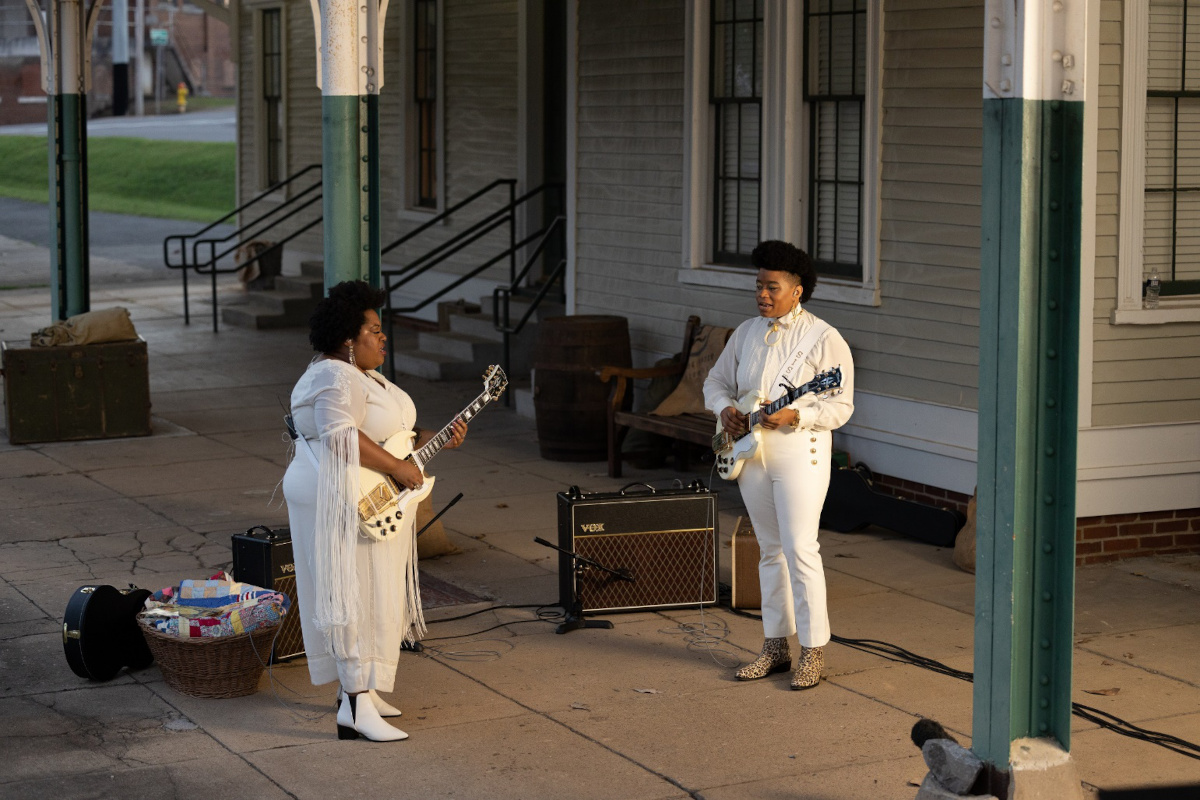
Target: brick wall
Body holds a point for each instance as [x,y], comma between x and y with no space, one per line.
[922,493]
[1097,539]
[1116,536]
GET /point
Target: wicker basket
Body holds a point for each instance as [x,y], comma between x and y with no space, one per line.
[217,666]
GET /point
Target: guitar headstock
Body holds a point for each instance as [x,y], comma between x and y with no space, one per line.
[829,379]
[494,382]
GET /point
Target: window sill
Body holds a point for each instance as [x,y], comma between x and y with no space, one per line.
[416,214]
[829,290]
[1167,311]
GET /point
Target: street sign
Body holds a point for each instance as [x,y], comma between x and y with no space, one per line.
[159,37]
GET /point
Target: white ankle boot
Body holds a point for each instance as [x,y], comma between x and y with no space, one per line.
[384,708]
[356,719]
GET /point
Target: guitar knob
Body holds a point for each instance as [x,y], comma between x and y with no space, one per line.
[393,527]
[387,519]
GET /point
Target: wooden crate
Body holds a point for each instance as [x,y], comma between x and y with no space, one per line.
[95,391]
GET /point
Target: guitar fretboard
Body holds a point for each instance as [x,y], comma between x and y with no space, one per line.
[439,440]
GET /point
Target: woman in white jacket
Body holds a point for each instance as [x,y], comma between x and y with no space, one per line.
[358,597]
[783,484]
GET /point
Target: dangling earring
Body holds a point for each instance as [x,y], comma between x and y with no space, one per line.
[352,354]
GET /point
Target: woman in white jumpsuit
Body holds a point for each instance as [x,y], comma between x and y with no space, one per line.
[783,484]
[358,598]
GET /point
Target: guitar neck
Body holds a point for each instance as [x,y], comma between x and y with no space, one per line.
[439,440]
[771,408]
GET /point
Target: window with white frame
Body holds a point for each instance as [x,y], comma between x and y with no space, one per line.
[782,139]
[1160,161]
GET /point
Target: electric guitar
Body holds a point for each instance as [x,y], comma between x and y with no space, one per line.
[732,451]
[383,502]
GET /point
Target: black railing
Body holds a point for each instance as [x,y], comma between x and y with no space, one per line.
[502,295]
[393,279]
[216,248]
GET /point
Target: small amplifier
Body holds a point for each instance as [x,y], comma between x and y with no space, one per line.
[662,544]
[745,591]
[263,557]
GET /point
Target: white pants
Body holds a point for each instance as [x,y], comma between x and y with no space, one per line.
[783,488]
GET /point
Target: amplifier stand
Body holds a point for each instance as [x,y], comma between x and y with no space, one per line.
[573,607]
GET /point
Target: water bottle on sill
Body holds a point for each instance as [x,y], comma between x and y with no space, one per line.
[1152,288]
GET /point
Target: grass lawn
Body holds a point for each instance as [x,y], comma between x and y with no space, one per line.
[174,180]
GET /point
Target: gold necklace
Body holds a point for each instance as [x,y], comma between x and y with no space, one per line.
[776,330]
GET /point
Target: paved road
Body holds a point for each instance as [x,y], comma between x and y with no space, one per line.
[219,125]
[122,247]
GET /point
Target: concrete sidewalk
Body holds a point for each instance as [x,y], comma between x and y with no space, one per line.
[646,710]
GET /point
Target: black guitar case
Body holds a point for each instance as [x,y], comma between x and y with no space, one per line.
[101,633]
[854,503]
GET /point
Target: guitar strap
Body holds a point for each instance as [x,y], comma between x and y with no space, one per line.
[308,449]
[791,368]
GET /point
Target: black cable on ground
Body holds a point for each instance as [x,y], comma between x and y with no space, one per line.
[1103,719]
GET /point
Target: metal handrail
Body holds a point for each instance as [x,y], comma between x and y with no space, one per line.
[395,278]
[503,323]
[293,205]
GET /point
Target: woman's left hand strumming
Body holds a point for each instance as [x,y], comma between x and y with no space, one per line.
[460,433]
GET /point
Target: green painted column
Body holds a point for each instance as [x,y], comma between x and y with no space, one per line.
[1028,409]
[350,77]
[343,197]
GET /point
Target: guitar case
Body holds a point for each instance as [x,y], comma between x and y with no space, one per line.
[101,633]
[853,503]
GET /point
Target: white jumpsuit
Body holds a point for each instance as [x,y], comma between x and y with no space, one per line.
[358,598]
[784,484]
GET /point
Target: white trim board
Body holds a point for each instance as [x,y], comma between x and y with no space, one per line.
[1122,470]
[922,442]
[1138,468]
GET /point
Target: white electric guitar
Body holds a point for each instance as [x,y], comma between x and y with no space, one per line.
[384,503]
[732,451]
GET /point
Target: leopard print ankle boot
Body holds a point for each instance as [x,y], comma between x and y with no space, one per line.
[776,657]
[808,667]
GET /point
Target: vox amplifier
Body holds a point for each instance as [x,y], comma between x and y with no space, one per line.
[661,545]
[263,557]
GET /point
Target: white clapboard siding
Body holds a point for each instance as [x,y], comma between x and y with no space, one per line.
[929,233]
[1140,373]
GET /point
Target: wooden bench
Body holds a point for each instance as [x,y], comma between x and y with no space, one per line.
[697,429]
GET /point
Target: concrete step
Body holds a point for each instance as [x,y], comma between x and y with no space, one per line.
[523,399]
[263,310]
[301,284]
[434,366]
[313,269]
[462,346]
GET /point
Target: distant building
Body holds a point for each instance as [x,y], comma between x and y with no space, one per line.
[199,55]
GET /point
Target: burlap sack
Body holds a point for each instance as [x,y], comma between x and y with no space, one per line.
[964,543]
[93,327]
[688,397]
[433,542]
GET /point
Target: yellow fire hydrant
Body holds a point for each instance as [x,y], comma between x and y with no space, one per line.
[181,94]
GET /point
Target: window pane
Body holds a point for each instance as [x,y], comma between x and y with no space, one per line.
[836,84]
[1166,46]
[736,37]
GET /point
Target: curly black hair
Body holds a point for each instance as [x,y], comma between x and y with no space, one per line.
[780,256]
[339,316]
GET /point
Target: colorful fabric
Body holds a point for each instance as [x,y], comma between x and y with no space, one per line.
[207,608]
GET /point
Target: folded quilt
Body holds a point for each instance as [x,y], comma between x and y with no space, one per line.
[211,608]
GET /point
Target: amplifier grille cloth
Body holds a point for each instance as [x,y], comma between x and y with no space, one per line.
[290,640]
[671,568]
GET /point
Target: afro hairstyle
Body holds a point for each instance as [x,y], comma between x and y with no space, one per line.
[780,256]
[339,316]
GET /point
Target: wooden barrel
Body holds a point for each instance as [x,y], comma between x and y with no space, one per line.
[568,396]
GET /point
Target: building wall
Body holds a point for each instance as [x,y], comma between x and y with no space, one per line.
[921,343]
[1141,373]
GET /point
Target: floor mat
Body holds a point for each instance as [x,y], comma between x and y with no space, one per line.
[437,593]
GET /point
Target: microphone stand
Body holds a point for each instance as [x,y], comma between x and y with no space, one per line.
[574,607]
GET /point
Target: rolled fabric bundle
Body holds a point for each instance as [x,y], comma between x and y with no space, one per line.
[92,327]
